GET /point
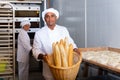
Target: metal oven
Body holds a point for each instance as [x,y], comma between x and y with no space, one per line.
[29,10]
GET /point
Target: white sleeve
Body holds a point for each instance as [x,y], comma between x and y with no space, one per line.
[37,46]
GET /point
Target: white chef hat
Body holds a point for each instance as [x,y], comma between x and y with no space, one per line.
[50,10]
[24,22]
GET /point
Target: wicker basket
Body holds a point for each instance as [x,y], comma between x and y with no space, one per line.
[68,73]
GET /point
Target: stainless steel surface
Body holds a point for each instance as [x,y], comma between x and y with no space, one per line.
[72,16]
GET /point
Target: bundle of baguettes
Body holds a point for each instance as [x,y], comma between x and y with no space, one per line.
[62,53]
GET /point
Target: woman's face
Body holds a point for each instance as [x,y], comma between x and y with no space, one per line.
[50,19]
[26,27]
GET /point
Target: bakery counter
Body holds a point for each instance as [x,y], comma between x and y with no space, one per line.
[105,59]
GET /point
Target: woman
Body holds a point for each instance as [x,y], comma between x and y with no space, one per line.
[23,51]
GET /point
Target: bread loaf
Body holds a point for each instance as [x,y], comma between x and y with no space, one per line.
[57,56]
[53,54]
[70,56]
[63,56]
[62,53]
[66,47]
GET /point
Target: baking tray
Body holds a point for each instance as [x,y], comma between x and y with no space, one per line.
[103,66]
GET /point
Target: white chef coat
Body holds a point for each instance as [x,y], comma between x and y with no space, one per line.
[23,50]
[24,46]
[43,43]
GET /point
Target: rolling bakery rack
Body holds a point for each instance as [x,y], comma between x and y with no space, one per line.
[7,42]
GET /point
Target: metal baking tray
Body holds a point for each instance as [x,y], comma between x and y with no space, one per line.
[103,66]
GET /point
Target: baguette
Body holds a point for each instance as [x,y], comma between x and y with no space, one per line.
[57,56]
[62,53]
[62,42]
[70,56]
[64,61]
[53,54]
[66,47]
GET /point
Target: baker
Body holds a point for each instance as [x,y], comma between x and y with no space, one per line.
[49,33]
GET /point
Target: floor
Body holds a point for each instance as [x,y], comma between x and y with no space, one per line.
[38,76]
[36,73]
[34,76]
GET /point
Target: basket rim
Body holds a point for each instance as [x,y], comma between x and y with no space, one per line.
[78,63]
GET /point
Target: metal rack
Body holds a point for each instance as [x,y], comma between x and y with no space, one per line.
[30,10]
[7,41]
